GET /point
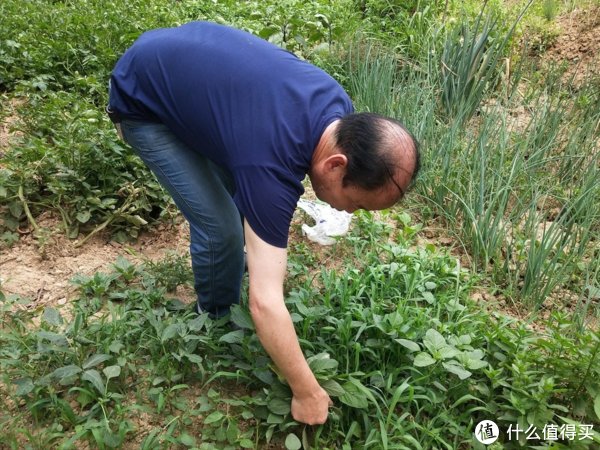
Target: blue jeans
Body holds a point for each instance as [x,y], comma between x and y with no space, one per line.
[203,192]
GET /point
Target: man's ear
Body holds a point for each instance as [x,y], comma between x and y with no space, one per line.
[335,162]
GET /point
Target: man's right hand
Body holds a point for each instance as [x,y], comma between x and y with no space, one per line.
[312,409]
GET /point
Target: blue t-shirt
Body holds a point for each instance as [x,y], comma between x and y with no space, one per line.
[251,107]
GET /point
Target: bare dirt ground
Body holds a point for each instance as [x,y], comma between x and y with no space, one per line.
[578,45]
[41,273]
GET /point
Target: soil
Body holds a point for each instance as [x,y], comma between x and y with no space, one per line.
[39,270]
[41,273]
[578,44]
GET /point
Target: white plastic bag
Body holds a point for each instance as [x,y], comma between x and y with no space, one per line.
[328,222]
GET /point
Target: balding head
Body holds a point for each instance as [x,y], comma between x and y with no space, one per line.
[380,151]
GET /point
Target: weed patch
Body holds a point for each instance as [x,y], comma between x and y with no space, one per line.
[395,341]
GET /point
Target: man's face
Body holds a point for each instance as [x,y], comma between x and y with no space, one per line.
[349,198]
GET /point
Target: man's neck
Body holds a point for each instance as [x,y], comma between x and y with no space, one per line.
[326,145]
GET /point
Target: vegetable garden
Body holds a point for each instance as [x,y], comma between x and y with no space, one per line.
[475,299]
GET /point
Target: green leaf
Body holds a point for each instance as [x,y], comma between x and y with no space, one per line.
[24,386]
[353,396]
[465,339]
[246,443]
[193,358]
[96,359]
[423,359]
[9,237]
[197,323]
[112,371]
[454,305]
[169,332]
[73,231]
[475,364]
[333,388]
[597,406]
[241,317]
[279,406]
[136,220]
[428,297]
[94,377]
[66,371]
[476,354]
[410,345]
[52,316]
[274,419]
[462,373]
[268,31]
[16,209]
[213,417]
[448,352]
[55,338]
[434,341]
[292,442]
[187,440]
[233,337]
[322,363]
[430,285]
[116,346]
[123,265]
[83,216]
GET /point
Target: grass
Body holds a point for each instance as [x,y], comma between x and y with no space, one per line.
[522,201]
[410,361]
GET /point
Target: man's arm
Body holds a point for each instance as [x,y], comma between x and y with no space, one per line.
[267,267]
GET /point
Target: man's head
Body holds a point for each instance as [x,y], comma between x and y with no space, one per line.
[364,161]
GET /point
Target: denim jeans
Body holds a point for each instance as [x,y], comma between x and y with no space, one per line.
[203,192]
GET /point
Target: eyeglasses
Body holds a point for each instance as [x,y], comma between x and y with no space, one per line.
[389,172]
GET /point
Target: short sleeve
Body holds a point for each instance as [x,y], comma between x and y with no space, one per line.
[267,198]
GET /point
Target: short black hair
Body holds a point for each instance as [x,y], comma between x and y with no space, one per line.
[369,142]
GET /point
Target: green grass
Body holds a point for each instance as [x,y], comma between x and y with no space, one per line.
[522,200]
[410,361]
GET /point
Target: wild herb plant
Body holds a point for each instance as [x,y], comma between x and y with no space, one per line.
[392,336]
[58,57]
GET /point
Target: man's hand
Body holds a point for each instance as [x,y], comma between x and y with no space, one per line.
[266,268]
[311,410]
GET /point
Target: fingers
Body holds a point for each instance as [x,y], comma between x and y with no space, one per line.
[311,412]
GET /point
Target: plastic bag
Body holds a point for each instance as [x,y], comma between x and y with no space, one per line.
[328,222]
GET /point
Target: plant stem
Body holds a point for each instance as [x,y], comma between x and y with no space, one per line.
[26,209]
[104,224]
[587,372]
